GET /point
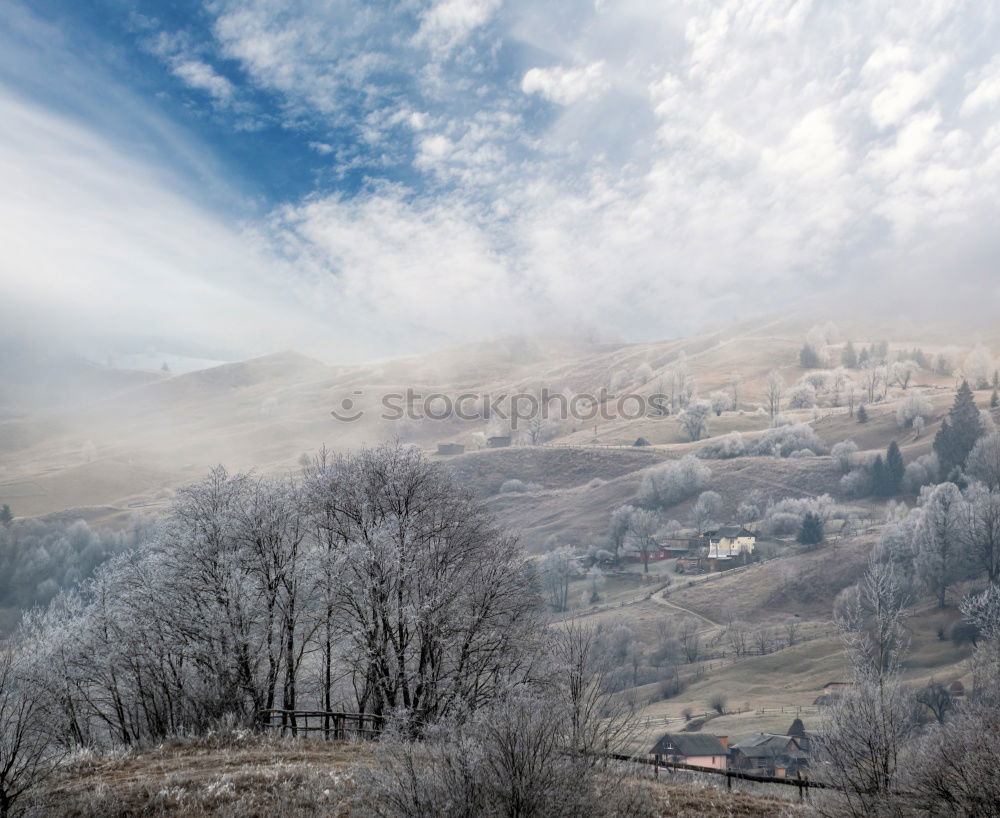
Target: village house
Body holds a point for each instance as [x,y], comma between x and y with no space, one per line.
[730,541]
[696,749]
[769,754]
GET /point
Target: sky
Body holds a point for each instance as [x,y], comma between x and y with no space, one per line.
[365,179]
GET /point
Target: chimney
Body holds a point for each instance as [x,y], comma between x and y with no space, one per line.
[724,741]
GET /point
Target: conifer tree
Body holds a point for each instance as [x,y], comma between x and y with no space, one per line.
[849,358]
[808,359]
[879,478]
[862,414]
[5,514]
[959,431]
[811,531]
[894,469]
[994,399]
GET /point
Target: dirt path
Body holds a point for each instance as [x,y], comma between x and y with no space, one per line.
[659,600]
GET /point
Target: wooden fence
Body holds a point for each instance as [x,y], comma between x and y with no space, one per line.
[803,784]
[332,726]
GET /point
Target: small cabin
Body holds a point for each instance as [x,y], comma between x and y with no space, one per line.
[450,448]
[498,442]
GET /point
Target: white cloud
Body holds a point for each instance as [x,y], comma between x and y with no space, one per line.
[697,161]
[564,85]
[201,76]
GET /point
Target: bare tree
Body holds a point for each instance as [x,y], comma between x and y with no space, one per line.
[861,741]
[775,389]
[558,567]
[706,510]
[694,420]
[937,699]
[981,529]
[643,525]
[735,384]
[27,756]
[690,639]
[871,378]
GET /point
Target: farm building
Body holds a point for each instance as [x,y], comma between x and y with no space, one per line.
[498,442]
[450,448]
[697,749]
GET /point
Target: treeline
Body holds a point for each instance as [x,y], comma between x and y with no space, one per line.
[40,557]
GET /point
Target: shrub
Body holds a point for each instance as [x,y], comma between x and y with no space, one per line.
[843,452]
[724,447]
[913,406]
[673,482]
[786,516]
[856,483]
[802,396]
[786,439]
[799,453]
[921,472]
[718,703]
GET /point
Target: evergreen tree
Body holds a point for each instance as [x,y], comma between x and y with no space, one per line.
[808,359]
[862,414]
[880,480]
[849,358]
[811,531]
[994,399]
[5,514]
[959,431]
[893,469]
[864,357]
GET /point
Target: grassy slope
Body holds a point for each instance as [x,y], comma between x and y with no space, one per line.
[264,777]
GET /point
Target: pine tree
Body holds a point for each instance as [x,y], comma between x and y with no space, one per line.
[849,358]
[893,469]
[879,477]
[959,431]
[994,399]
[862,414]
[808,359]
[5,514]
[811,531]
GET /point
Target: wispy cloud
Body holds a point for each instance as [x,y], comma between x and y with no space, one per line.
[644,167]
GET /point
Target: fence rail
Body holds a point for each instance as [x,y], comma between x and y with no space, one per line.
[333,726]
[803,784]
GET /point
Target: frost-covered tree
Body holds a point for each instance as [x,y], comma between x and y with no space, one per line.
[775,389]
[672,482]
[941,558]
[694,420]
[706,510]
[979,367]
[903,371]
[735,386]
[557,569]
[913,406]
[618,528]
[802,396]
[843,453]
[641,540]
[720,402]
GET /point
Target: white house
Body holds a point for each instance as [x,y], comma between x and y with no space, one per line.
[730,541]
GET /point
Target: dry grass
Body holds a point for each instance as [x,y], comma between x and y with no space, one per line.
[228,776]
[224,776]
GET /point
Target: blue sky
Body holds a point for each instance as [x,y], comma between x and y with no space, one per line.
[365,179]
